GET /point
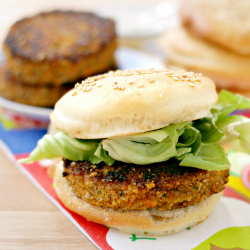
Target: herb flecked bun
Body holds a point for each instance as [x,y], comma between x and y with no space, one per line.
[128,102]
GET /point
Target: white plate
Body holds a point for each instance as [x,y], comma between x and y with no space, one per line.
[126,58]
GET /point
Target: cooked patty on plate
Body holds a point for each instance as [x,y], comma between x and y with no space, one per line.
[60,47]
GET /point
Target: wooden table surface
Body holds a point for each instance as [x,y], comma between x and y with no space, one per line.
[27,219]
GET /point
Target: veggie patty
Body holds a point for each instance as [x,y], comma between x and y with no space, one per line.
[164,185]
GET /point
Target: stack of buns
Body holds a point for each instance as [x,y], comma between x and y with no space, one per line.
[214,39]
[47,53]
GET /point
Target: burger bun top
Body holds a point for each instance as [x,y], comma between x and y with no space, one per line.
[122,103]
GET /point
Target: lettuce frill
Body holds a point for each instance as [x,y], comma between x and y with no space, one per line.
[195,144]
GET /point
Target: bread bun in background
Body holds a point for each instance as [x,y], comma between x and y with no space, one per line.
[214,39]
[224,22]
[228,69]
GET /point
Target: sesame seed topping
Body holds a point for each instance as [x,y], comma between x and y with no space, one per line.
[74,93]
[78,86]
[87,84]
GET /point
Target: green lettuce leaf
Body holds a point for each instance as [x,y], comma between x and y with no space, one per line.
[194,143]
[102,154]
[127,150]
[243,140]
[209,157]
[209,131]
[61,145]
[228,102]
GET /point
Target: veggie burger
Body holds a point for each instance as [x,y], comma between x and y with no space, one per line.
[142,149]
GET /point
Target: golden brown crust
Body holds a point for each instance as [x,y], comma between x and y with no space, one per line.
[151,222]
[36,95]
[60,46]
[165,185]
[224,22]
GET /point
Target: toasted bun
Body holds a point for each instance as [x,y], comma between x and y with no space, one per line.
[227,69]
[128,102]
[225,22]
[150,222]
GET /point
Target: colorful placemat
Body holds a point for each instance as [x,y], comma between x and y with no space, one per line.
[21,140]
[11,119]
[227,227]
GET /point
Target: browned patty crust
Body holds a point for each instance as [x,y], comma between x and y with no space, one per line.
[60,46]
[164,185]
[38,95]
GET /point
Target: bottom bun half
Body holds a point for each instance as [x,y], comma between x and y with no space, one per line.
[141,222]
